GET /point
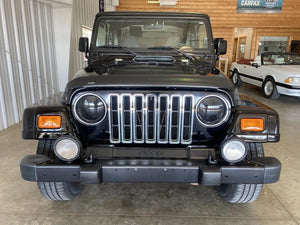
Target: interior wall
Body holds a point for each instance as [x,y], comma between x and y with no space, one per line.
[62,17]
[27,57]
[248,33]
[110,5]
[83,14]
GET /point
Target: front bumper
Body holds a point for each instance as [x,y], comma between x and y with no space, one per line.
[289,91]
[259,171]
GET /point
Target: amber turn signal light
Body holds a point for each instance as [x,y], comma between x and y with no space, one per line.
[49,122]
[252,124]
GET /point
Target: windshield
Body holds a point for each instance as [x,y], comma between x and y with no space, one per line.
[177,33]
[281,59]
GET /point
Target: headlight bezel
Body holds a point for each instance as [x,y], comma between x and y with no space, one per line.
[227,113]
[77,117]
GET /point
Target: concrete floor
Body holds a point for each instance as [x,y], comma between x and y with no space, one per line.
[279,203]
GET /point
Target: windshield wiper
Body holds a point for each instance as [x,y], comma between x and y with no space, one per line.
[119,47]
[169,48]
[161,48]
[186,55]
[198,63]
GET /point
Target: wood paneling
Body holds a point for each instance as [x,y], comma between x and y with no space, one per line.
[224,18]
[223,12]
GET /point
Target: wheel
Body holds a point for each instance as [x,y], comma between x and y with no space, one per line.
[243,193]
[236,78]
[45,147]
[59,190]
[269,88]
[55,190]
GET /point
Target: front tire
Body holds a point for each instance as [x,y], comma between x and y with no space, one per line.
[56,190]
[269,89]
[59,190]
[243,193]
[236,78]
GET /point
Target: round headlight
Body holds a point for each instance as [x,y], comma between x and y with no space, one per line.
[234,150]
[213,110]
[89,109]
[67,149]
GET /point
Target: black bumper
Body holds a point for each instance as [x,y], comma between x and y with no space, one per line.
[260,171]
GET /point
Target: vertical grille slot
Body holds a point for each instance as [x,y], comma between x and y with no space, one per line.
[163,119]
[150,128]
[126,118]
[151,118]
[187,120]
[138,118]
[175,119]
[114,119]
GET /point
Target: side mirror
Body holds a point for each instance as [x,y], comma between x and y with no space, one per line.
[83,44]
[255,65]
[220,46]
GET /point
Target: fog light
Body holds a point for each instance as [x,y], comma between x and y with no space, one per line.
[234,150]
[67,149]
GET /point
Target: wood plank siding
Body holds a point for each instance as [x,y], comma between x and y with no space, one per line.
[225,19]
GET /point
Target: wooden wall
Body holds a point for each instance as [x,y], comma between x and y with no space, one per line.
[224,18]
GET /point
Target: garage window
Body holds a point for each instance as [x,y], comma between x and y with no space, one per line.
[272,44]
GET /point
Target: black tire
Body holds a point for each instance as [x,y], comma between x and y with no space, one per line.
[45,147]
[55,190]
[243,193]
[269,88]
[59,190]
[236,79]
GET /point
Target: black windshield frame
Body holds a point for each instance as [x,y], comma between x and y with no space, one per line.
[200,17]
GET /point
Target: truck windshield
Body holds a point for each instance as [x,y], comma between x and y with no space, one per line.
[144,33]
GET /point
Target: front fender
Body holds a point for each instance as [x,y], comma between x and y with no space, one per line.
[249,108]
[30,115]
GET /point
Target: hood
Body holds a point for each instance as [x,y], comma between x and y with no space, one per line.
[94,81]
[155,80]
[286,69]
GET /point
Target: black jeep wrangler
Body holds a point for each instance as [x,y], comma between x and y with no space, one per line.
[151,107]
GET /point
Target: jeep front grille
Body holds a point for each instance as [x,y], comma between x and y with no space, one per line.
[151,118]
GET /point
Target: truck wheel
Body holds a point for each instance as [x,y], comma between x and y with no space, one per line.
[56,190]
[59,190]
[243,193]
[45,147]
[236,78]
[269,88]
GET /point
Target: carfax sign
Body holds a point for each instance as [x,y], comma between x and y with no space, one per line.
[259,6]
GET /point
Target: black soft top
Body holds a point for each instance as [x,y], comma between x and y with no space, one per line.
[151,14]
